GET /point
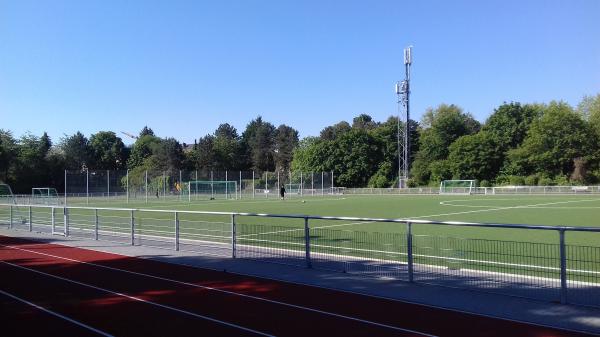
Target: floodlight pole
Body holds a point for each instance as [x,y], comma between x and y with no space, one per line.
[403,94]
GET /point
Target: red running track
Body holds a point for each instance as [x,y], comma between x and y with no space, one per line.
[59,290]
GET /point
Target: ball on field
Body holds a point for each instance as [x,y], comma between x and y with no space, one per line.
[303,201]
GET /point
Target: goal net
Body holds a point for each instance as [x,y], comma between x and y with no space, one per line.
[292,188]
[13,214]
[460,187]
[45,195]
[206,189]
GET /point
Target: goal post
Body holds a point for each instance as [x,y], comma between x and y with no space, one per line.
[292,189]
[6,194]
[458,186]
[207,189]
[45,195]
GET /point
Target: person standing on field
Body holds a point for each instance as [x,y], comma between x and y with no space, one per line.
[282,192]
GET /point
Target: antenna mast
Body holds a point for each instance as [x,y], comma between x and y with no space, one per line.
[403,93]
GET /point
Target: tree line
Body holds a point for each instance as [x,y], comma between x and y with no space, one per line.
[32,161]
[518,144]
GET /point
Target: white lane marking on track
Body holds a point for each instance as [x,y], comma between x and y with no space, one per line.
[53,313]
[138,299]
[224,291]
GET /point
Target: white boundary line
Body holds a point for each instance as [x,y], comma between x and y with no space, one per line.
[211,289]
[55,313]
[136,298]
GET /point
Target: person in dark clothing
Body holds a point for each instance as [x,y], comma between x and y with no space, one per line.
[282,192]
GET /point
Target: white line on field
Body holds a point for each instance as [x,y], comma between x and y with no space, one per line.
[445,203]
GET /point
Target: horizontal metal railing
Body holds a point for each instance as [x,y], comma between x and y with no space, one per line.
[551,270]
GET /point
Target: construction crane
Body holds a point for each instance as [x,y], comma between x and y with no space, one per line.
[129,134]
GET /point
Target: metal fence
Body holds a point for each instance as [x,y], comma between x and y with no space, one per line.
[498,190]
[149,186]
[551,269]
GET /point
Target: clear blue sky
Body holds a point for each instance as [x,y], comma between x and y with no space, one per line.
[184,67]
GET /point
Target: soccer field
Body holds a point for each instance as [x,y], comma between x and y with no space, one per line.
[473,257]
[563,210]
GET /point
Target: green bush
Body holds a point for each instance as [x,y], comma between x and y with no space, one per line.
[532,180]
[516,180]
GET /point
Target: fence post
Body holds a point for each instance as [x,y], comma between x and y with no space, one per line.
[66,220]
[30,220]
[233,237]
[132,229]
[253,188]
[212,186]
[96,224]
[10,222]
[87,186]
[128,186]
[176,230]
[146,183]
[164,183]
[301,183]
[53,221]
[108,183]
[409,252]
[563,267]
[307,243]
[322,186]
[65,187]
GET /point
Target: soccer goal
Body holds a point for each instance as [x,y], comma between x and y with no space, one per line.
[44,195]
[6,195]
[460,187]
[206,189]
[13,215]
[292,189]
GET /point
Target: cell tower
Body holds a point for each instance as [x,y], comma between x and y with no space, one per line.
[403,93]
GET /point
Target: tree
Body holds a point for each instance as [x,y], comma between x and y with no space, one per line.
[363,122]
[286,140]
[146,131]
[476,156]
[76,150]
[8,150]
[509,123]
[387,133]
[333,131]
[441,127]
[554,141]
[258,139]
[203,156]
[354,156]
[31,162]
[142,149]
[108,151]
[167,156]
[226,147]
[589,108]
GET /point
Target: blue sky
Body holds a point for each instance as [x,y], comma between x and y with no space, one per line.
[184,67]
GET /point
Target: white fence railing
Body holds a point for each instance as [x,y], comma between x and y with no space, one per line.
[554,271]
[498,190]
